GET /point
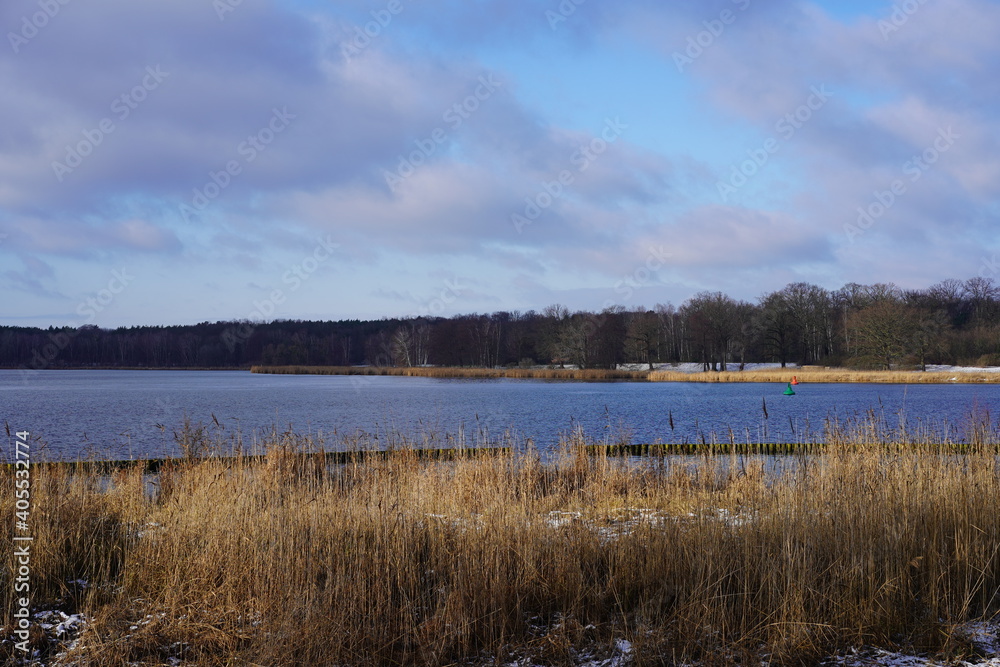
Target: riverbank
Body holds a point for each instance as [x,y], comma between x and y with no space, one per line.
[815,374]
[459,372]
[505,558]
[663,373]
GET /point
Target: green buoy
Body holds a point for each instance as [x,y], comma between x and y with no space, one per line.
[789,391]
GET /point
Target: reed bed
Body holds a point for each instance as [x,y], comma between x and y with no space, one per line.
[782,375]
[807,374]
[459,372]
[403,560]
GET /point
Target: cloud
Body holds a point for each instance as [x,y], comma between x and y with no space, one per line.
[36,277]
[732,237]
[174,108]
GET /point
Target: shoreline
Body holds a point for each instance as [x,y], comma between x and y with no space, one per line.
[776,375]
[126,368]
[666,373]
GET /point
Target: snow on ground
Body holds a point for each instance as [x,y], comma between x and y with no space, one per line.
[944,368]
[623,521]
[622,656]
[61,630]
[889,659]
[698,367]
[983,636]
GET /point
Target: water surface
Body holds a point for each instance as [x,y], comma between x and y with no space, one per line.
[133,414]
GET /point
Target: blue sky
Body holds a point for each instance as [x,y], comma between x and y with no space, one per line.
[176,162]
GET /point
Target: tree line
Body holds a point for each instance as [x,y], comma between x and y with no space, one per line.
[864,326]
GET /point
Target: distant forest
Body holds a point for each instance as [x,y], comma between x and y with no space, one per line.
[864,326]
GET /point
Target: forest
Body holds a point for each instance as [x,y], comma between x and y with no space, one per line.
[878,326]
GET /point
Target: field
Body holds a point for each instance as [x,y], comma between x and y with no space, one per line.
[804,374]
[496,557]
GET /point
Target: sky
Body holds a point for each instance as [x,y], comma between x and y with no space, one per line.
[180,161]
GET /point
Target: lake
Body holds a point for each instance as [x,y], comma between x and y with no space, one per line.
[133,414]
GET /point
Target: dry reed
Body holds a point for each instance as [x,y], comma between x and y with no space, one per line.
[402,560]
[459,372]
[782,375]
[814,374]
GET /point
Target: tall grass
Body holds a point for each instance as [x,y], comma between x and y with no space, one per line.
[404,560]
[804,374]
[458,372]
[814,374]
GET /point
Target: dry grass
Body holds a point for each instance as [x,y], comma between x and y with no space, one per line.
[405,560]
[457,372]
[782,375]
[817,374]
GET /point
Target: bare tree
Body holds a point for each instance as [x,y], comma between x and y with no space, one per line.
[882,331]
[402,343]
[642,336]
[776,324]
[672,333]
[982,295]
[928,336]
[420,342]
[576,339]
[811,310]
[713,323]
[554,334]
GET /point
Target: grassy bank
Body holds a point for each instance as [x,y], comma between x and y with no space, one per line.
[816,374]
[458,372]
[782,375]
[406,560]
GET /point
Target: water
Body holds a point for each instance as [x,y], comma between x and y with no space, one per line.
[133,414]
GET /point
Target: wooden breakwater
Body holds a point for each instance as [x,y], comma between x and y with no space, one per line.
[776,448]
[699,448]
[153,466]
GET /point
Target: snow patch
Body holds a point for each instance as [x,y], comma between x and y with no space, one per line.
[943,368]
[698,367]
